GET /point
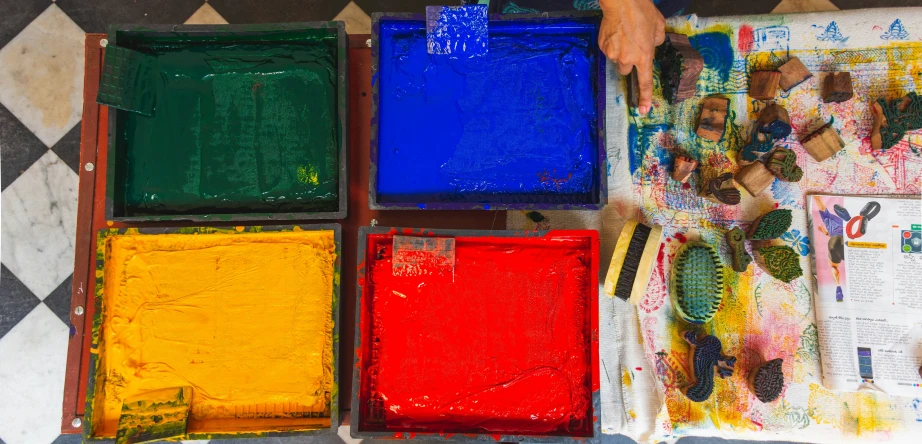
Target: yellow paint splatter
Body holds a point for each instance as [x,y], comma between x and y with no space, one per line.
[308,174]
[625,377]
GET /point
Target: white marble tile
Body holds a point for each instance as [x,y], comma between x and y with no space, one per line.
[206,15]
[38,224]
[357,21]
[41,75]
[32,360]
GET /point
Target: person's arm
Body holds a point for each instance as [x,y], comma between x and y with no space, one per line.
[630,32]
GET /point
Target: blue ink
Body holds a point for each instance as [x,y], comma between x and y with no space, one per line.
[772,38]
[896,31]
[716,51]
[797,241]
[518,125]
[644,139]
[512,8]
[458,31]
[831,34]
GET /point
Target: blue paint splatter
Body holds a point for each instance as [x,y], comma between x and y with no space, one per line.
[646,139]
[519,124]
[716,51]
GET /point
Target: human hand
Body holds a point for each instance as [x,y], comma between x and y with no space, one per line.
[630,32]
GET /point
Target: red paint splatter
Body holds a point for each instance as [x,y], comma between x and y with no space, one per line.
[686,186]
[776,205]
[497,437]
[744,39]
[492,368]
[398,435]
[681,237]
[639,368]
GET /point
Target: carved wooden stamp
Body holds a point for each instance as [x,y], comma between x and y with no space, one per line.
[697,282]
[764,84]
[735,240]
[680,65]
[782,162]
[759,144]
[706,355]
[770,225]
[781,262]
[722,190]
[823,143]
[755,178]
[712,123]
[837,87]
[767,380]
[682,168]
[892,120]
[793,73]
[775,121]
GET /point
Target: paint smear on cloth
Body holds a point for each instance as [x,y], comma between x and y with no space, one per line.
[516,125]
[238,128]
[245,319]
[502,347]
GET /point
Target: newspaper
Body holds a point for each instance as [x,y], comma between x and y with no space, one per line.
[867,264]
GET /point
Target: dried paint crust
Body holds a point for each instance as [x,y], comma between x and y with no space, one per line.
[499,349]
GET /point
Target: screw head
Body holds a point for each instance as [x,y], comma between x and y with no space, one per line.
[368,43]
[89,166]
[77,422]
[374,222]
[79,310]
[102,43]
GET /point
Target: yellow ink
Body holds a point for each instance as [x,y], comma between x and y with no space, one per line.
[245,319]
[308,174]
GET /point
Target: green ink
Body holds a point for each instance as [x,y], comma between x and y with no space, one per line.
[243,124]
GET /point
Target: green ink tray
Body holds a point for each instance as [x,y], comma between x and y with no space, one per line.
[248,122]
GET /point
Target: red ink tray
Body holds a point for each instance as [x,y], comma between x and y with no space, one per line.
[496,339]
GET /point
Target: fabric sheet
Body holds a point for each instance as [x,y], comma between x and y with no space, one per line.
[643,360]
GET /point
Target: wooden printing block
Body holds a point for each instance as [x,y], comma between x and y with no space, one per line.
[680,65]
[720,190]
[905,114]
[633,88]
[775,121]
[781,262]
[755,178]
[682,168]
[706,356]
[712,122]
[782,162]
[735,240]
[837,87]
[793,73]
[823,143]
[767,380]
[764,84]
[770,225]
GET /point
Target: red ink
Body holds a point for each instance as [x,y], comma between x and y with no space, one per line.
[744,39]
[504,348]
[686,186]
[639,368]
[681,237]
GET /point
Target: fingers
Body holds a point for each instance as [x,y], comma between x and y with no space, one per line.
[645,84]
[625,68]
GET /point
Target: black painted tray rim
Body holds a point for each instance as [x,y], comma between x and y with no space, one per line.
[342,101]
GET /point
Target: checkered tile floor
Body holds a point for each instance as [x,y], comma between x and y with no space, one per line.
[41,75]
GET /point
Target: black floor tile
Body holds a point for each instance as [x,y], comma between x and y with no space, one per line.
[15,15]
[16,301]
[59,300]
[19,148]
[68,148]
[277,11]
[96,15]
[75,438]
